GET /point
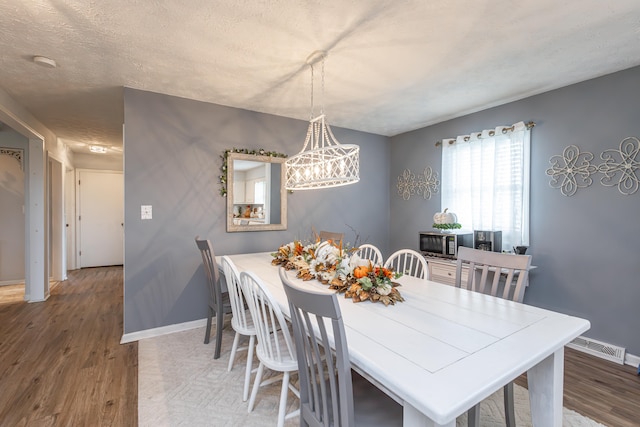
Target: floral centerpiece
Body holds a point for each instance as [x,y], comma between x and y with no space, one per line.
[340,269]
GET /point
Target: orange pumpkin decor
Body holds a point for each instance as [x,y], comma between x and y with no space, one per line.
[361,271]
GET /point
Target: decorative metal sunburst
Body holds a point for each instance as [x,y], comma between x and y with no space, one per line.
[406,184]
[427,183]
[625,170]
[571,170]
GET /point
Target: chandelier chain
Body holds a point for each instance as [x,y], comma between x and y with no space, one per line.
[322,89]
[312,78]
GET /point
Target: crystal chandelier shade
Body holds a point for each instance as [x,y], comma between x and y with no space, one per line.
[323,162]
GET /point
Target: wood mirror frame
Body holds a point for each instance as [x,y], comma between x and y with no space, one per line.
[274,189]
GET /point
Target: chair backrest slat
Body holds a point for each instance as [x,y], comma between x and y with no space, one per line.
[483,262]
[210,269]
[274,340]
[240,318]
[409,262]
[371,253]
[326,391]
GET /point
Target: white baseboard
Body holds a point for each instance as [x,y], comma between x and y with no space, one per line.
[12,282]
[163,330]
[632,360]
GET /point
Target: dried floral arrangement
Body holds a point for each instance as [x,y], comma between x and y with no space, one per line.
[341,269]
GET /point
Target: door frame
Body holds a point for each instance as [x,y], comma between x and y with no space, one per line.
[36,274]
[56,219]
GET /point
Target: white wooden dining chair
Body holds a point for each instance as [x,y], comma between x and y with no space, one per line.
[515,269]
[371,253]
[241,321]
[275,348]
[484,272]
[218,304]
[329,396]
[408,262]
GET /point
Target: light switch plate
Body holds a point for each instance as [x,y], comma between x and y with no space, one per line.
[146,212]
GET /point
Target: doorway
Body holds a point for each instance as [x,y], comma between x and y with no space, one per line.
[100,227]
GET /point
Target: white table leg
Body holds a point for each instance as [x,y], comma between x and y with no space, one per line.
[411,417]
[545,390]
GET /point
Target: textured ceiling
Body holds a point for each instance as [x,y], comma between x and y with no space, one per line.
[393,65]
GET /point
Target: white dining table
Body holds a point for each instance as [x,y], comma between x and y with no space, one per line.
[444,349]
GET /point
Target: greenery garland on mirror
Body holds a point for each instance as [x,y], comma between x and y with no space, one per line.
[225,156]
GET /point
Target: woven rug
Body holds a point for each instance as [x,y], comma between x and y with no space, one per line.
[180,384]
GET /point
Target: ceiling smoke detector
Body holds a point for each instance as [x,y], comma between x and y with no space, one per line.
[45,62]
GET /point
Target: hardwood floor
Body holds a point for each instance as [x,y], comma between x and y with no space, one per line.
[61,363]
[601,390]
[11,293]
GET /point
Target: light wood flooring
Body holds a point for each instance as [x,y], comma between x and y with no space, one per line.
[11,293]
[61,363]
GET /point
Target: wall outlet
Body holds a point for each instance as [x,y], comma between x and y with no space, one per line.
[146,212]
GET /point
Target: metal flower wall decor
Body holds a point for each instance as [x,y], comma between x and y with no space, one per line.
[572,170]
[621,165]
[425,184]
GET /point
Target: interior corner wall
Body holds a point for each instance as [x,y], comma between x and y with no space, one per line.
[585,246]
[172,161]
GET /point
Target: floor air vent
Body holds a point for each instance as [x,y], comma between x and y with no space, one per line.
[599,349]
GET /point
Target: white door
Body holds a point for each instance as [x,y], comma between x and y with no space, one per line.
[100,218]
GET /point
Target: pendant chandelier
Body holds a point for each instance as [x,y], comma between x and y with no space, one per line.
[323,161]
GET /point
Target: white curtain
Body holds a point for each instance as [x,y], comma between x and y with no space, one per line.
[485,181]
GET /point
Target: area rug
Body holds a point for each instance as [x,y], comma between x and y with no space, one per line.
[180,384]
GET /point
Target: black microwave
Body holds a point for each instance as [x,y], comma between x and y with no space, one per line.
[444,243]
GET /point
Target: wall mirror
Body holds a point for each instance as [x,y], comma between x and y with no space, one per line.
[256,197]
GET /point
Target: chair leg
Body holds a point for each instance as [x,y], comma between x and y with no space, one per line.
[509,410]
[234,348]
[256,386]
[247,375]
[283,398]
[208,331]
[219,320]
[473,416]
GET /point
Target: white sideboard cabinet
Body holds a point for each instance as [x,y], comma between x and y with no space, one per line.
[444,271]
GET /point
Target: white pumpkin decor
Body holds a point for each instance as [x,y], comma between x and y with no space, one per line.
[445,220]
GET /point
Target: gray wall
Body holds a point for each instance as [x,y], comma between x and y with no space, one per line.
[172,162]
[585,246]
[12,203]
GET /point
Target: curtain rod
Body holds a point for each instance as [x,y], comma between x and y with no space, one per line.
[528,125]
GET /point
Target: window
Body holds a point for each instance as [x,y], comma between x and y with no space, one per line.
[259,191]
[485,181]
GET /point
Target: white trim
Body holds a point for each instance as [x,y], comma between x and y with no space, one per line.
[12,282]
[163,330]
[632,360]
